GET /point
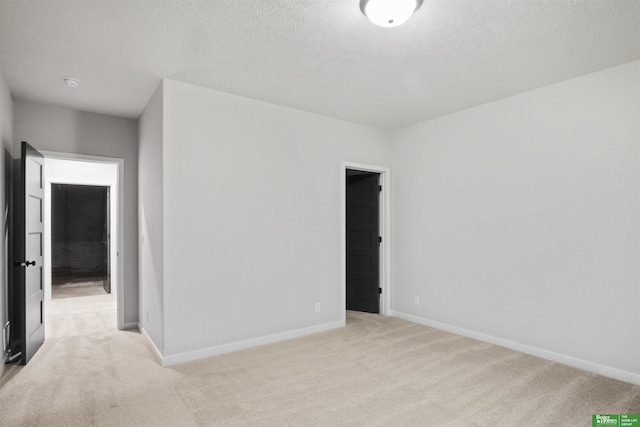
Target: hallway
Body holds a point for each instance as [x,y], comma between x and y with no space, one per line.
[80,315]
[78,375]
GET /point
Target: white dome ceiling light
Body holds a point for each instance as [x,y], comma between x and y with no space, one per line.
[389,13]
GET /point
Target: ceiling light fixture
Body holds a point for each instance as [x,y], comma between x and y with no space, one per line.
[389,13]
[71,81]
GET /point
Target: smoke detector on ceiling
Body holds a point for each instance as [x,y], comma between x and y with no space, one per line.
[71,81]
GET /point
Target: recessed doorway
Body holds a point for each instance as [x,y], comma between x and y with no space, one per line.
[86,173]
[365,242]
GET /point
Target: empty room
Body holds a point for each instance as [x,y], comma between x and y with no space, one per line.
[320,213]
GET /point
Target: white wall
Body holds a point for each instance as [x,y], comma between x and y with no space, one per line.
[61,171]
[60,129]
[150,221]
[519,220]
[6,139]
[251,204]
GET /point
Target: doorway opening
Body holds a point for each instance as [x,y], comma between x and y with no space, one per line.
[365,238]
[89,188]
[80,241]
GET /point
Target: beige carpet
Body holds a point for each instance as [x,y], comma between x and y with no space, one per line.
[375,372]
[73,287]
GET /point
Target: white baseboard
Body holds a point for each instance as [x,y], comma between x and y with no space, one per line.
[523,348]
[156,353]
[241,345]
[131,325]
[3,360]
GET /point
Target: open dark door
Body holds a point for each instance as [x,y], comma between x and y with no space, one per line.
[106,243]
[363,244]
[28,277]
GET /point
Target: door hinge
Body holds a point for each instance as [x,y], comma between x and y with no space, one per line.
[379,290]
[379,188]
[379,239]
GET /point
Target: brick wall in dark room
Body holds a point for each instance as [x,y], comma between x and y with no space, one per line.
[77,229]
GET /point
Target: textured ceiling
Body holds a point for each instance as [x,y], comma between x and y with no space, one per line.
[322,56]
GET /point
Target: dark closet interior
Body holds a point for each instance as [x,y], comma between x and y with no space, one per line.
[79,239]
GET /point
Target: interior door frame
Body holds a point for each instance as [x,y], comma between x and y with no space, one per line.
[385,232]
[118,263]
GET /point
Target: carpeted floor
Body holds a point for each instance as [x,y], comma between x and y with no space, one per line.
[377,371]
[73,287]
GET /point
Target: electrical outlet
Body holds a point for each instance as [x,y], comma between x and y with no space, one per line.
[317,307]
[416,300]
